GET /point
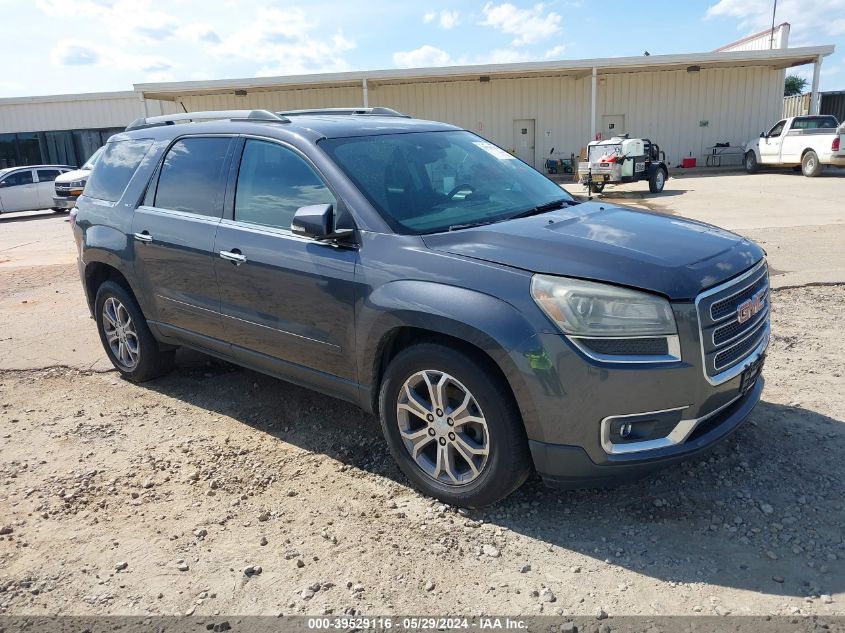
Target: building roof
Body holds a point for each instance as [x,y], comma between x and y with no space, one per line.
[82,96]
[753,36]
[777,58]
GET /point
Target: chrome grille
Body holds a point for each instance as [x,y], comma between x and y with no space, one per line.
[726,341]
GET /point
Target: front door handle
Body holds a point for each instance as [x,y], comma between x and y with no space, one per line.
[234,256]
[143,236]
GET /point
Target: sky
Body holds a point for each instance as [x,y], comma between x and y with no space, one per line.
[72,46]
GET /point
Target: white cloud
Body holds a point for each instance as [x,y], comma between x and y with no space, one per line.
[809,20]
[282,41]
[449,19]
[501,56]
[199,32]
[71,52]
[556,51]
[423,57]
[445,19]
[528,25]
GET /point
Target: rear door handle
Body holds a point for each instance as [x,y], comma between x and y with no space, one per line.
[144,236]
[234,256]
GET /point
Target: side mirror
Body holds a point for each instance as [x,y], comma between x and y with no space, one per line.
[317,222]
[762,135]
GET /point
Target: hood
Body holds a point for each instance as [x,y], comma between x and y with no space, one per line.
[76,174]
[675,257]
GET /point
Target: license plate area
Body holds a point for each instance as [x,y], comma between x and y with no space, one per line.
[750,375]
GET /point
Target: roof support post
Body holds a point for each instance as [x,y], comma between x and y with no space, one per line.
[814,95]
[593,105]
[365,91]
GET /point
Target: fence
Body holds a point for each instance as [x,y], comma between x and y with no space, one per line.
[796,105]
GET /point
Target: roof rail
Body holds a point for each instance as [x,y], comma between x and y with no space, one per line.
[378,111]
[232,115]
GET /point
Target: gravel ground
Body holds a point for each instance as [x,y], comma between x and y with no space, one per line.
[219,490]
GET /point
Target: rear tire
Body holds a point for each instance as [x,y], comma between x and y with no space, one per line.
[126,337]
[597,187]
[751,166]
[657,180]
[810,165]
[418,417]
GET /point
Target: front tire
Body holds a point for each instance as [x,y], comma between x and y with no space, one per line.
[810,165]
[751,166]
[126,337]
[597,187]
[452,426]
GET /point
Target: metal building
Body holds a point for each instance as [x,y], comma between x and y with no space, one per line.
[687,103]
[67,129]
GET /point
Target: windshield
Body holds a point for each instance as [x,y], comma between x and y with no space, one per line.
[427,182]
[89,164]
[598,152]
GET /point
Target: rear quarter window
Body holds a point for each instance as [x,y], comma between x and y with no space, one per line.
[115,168]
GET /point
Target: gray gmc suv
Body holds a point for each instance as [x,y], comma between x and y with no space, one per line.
[494,323]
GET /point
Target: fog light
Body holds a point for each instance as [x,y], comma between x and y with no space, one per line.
[625,430]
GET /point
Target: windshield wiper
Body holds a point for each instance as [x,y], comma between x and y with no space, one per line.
[469,225]
[542,208]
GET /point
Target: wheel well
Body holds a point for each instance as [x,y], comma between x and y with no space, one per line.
[96,273]
[404,337]
[808,149]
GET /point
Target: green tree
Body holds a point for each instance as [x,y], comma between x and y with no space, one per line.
[794,85]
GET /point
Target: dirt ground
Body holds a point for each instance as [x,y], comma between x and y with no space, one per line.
[216,490]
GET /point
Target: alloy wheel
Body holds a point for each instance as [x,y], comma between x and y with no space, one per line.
[120,334]
[443,427]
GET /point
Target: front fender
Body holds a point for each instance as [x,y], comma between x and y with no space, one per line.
[753,146]
[490,324]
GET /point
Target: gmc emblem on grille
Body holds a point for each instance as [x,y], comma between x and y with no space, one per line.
[752,306]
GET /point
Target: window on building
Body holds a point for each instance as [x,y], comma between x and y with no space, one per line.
[8,151]
[29,149]
[191,176]
[58,148]
[273,182]
[115,169]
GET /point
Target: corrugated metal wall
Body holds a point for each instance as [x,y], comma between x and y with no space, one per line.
[833,103]
[683,112]
[74,113]
[560,107]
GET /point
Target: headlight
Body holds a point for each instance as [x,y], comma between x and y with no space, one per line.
[591,309]
[77,184]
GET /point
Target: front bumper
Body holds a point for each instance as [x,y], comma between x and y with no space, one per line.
[573,407]
[571,467]
[61,202]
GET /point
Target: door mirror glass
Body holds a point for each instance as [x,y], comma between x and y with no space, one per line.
[317,222]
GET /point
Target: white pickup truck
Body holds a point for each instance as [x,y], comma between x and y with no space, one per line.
[806,142]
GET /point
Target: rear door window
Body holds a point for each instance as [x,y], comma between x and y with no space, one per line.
[48,175]
[115,168]
[192,176]
[273,182]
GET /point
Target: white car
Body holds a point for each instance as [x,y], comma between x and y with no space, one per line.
[806,142]
[29,188]
[69,186]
